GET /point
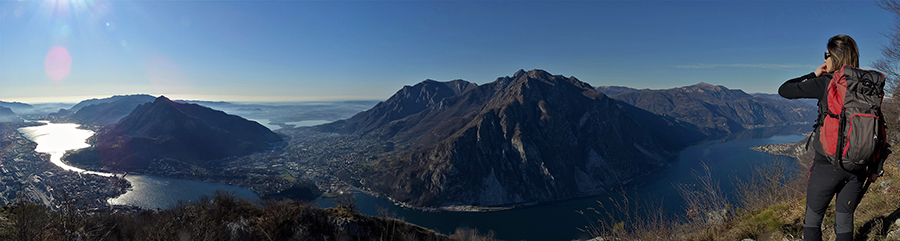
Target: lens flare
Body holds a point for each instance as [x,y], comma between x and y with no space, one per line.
[58,63]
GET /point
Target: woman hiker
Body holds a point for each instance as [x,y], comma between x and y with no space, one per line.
[824,179]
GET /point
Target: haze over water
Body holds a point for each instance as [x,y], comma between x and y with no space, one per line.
[57,138]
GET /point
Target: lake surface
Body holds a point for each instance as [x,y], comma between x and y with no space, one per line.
[268,124]
[56,139]
[146,191]
[160,192]
[727,161]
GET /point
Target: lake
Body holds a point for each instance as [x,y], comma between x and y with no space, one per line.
[268,124]
[727,160]
[146,191]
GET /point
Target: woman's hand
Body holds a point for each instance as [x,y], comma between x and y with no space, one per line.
[821,70]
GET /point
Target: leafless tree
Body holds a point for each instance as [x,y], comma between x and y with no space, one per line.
[889,63]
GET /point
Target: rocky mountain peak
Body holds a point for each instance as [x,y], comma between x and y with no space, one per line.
[535,74]
[540,84]
[538,74]
[706,85]
[531,137]
[703,87]
[704,90]
[163,99]
[459,85]
[519,73]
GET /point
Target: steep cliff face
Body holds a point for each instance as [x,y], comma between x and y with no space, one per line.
[715,110]
[530,137]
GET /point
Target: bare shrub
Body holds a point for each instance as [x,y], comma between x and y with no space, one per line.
[769,184]
[470,234]
[889,64]
[626,219]
[705,203]
[345,200]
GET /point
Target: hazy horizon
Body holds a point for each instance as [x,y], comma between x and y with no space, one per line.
[241,99]
[286,51]
[212,98]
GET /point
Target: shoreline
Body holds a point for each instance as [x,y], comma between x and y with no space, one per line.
[630,182]
[795,150]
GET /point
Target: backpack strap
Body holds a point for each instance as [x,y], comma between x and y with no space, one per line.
[826,111]
[836,159]
[822,107]
[882,151]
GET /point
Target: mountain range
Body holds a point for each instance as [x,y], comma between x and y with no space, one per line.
[529,137]
[17,107]
[716,110]
[185,133]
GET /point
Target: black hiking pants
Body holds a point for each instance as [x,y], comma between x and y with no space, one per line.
[824,182]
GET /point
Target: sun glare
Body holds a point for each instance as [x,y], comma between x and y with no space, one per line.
[60,7]
[70,19]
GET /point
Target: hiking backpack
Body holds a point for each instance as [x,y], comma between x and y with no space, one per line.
[852,131]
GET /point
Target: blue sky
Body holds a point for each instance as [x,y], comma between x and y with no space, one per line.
[342,50]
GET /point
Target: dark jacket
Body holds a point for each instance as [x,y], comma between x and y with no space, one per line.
[810,87]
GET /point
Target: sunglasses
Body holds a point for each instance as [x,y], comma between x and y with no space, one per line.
[827,55]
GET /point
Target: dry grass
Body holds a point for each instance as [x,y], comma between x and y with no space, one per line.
[880,207]
[773,209]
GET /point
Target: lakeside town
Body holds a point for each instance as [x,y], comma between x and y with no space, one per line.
[28,176]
